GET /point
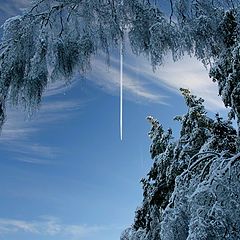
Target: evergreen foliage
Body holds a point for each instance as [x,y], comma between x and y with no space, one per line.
[192,190]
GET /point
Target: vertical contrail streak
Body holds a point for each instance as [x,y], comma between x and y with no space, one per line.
[121,90]
[121,78]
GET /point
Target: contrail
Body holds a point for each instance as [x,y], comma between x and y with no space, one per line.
[121,82]
[121,90]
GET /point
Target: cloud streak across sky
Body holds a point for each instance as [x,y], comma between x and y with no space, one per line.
[49,226]
[108,78]
[140,82]
[18,130]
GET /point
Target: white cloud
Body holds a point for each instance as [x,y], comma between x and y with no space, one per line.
[28,148]
[59,87]
[108,78]
[188,73]
[33,160]
[60,106]
[13,225]
[18,126]
[50,226]
[17,131]
[143,84]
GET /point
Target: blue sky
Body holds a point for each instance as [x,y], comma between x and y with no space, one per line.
[64,173]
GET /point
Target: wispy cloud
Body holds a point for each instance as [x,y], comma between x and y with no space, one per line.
[51,227]
[33,149]
[142,83]
[33,160]
[108,78]
[186,73]
[13,226]
[59,87]
[16,136]
[18,126]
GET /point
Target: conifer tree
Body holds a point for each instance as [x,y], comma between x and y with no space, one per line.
[184,192]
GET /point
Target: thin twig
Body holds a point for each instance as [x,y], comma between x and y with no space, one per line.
[36,5]
[70,12]
[61,21]
[171,15]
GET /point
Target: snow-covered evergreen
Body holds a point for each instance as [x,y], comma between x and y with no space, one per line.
[192,190]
